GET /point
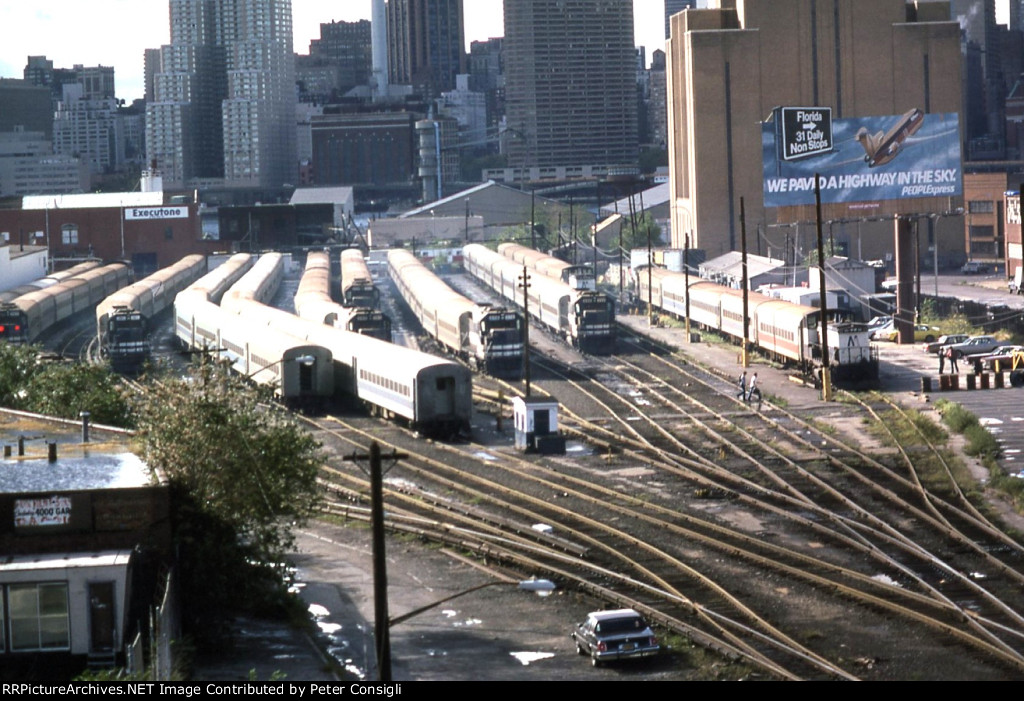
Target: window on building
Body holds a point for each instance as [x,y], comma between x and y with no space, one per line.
[39,616]
[168,233]
[69,234]
[980,207]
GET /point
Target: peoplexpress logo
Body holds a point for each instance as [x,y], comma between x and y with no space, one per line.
[156,213]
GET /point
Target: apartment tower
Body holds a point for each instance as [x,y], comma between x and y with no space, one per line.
[426,44]
[224,95]
[570,83]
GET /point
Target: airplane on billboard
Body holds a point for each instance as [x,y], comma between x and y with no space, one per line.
[881,148]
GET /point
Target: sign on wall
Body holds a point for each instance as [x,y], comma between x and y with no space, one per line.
[156,213]
[806,131]
[869,159]
[43,511]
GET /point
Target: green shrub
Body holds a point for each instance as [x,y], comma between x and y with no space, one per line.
[956,417]
[980,443]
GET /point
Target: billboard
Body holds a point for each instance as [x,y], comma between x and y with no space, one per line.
[870,159]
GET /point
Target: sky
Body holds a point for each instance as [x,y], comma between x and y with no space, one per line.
[117,32]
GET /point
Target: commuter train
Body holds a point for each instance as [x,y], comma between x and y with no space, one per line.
[490,338]
[781,330]
[25,318]
[313,301]
[123,319]
[46,281]
[299,372]
[433,395]
[585,318]
[579,277]
[357,288]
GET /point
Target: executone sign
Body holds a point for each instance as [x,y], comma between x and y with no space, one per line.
[156,213]
[871,159]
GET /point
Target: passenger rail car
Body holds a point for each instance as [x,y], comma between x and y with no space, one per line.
[298,371]
[123,319]
[433,395]
[46,281]
[212,287]
[260,282]
[585,318]
[313,301]
[490,338]
[579,277]
[782,330]
[357,288]
[27,317]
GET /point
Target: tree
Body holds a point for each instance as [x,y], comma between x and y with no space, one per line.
[66,389]
[18,365]
[242,472]
[638,239]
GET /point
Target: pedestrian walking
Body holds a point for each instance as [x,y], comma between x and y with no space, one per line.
[942,359]
[754,390]
[742,394]
[951,354]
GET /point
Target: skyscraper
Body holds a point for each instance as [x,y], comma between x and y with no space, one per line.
[674,6]
[225,94]
[570,83]
[426,40]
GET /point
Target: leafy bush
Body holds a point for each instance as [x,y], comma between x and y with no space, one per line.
[980,443]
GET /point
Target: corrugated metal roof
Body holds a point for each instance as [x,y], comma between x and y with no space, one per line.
[321,195]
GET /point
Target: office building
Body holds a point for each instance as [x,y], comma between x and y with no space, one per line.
[570,83]
[425,44]
[224,97]
[728,68]
[674,6]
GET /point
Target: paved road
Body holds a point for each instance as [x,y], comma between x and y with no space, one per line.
[1001,410]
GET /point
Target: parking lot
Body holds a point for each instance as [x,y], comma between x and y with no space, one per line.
[1001,410]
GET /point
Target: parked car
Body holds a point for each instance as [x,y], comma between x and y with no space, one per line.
[922,332]
[973,267]
[947,340]
[877,321]
[880,332]
[975,345]
[1001,357]
[614,635]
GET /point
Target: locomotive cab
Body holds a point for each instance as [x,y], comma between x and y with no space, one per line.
[13,326]
[595,315]
[501,335]
[126,341]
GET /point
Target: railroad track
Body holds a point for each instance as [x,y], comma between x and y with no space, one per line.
[864,587]
[943,587]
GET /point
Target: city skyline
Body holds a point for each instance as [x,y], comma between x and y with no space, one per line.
[55,30]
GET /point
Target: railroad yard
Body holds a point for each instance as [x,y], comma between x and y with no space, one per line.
[787,541]
[795,539]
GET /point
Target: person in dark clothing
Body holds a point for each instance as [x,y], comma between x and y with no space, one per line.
[951,354]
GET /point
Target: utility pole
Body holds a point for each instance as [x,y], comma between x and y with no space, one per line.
[686,282]
[525,284]
[826,373]
[745,353]
[382,633]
